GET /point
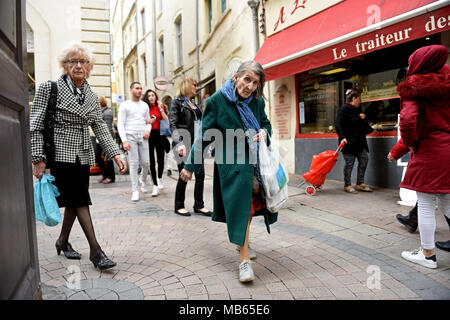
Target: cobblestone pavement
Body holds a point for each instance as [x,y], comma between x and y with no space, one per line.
[322,247]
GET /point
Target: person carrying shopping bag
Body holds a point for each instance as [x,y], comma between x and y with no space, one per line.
[77,107]
[238,196]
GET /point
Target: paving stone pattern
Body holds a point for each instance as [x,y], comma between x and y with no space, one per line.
[310,254]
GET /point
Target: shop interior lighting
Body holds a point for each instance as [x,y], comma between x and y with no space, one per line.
[333,71]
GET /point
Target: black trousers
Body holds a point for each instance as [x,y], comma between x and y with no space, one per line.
[107,167]
[180,191]
[155,142]
[363,159]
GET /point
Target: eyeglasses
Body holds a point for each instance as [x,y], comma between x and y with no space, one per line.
[75,62]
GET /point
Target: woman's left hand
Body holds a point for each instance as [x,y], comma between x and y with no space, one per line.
[185,175]
[121,164]
[262,133]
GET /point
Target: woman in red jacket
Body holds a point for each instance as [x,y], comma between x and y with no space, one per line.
[156,141]
[425,129]
[409,221]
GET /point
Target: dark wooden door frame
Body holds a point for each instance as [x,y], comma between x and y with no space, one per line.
[14,108]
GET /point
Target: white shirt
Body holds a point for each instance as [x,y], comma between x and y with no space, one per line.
[131,119]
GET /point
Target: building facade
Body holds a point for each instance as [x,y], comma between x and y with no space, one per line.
[52,25]
[339,45]
[204,39]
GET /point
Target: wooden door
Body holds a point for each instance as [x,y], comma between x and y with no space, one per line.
[19,269]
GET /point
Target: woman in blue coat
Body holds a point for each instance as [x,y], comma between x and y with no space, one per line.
[236,114]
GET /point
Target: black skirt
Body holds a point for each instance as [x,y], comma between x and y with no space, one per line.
[72,180]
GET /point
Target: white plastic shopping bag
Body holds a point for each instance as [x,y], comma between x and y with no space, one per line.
[273,175]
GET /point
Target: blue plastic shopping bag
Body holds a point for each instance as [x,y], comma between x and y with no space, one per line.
[45,205]
[164,128]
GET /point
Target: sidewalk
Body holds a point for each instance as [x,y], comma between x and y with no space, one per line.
[320,248]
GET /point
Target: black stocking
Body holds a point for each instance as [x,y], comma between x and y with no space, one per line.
[69,217]
[84,217]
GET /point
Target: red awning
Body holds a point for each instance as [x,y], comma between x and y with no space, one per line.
[341,32]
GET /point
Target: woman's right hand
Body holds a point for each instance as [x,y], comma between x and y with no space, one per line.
[39,169]
[126,146]
[182,150]
[186,175]
[390,157]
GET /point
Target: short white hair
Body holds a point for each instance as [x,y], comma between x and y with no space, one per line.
[80,49]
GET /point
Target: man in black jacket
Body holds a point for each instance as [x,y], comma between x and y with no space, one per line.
[352,128]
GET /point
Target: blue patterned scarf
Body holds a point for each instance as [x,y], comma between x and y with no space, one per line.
[251,125]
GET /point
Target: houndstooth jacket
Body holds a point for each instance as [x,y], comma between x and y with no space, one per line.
[71,125]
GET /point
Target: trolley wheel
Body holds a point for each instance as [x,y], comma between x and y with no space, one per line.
[310,190]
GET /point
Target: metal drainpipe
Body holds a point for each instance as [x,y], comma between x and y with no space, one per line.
[197,40]
[155,71]
[123,55]
[137,41]
[254,6]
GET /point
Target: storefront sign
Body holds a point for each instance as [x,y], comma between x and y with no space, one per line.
[282,13]
[391,36]
[282,115]
[418,27]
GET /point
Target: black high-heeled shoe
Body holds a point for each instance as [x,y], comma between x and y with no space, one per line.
[102,262]
[68,251]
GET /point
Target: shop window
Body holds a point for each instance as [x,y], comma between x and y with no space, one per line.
[379,100]
[321,91]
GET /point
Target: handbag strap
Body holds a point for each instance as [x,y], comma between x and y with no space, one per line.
[49,144]
[53,96]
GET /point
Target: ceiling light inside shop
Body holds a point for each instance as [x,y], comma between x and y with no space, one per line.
[333,71]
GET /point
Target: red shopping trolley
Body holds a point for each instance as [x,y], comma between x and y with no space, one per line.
[321,165]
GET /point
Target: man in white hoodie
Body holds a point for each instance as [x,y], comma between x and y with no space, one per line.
[134,130]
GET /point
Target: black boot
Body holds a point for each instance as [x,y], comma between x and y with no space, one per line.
[68,251]
[409,221]
[102,262]
[444,245]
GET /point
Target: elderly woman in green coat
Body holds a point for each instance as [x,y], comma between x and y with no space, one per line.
[236,113]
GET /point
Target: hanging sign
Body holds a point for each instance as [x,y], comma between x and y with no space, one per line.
[161,83]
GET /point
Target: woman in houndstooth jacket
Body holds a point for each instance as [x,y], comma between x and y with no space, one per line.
[77,108]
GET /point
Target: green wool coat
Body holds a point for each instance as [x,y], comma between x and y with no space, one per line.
[233,182]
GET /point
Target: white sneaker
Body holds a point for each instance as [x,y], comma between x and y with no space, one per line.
[251,253]
[144,188]
[155,192]
[160,183]
[246,271]
[418,257]
[135,196]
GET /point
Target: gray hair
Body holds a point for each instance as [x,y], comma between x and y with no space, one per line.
[77,48]
[258,70]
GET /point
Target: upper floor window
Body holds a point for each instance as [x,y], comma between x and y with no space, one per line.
[209,16]
[161,56]
[143,21]
[224,5]
[179,41]
[160,6]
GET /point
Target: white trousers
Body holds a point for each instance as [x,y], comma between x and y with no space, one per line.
[426,215]
[138,155]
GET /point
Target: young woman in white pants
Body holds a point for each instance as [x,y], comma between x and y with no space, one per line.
[425,129]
